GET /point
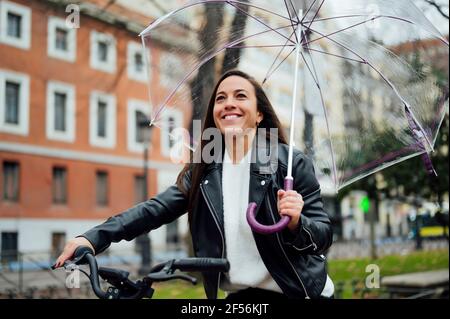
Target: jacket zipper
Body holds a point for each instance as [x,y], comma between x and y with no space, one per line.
[310,237]
[312,241]
[213,213]
[284,252]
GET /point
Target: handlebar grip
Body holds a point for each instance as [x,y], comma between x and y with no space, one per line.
[202,264]
[81,251]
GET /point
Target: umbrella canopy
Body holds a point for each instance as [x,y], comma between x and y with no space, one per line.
[362,104]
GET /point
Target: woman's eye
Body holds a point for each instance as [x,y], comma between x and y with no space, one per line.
[241,96]
[219,98]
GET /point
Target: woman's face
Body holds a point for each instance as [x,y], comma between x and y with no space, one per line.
[235,105]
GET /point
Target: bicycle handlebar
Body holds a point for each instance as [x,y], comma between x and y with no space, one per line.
[126,289]
[202,264]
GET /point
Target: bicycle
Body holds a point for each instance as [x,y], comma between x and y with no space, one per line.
[124,288]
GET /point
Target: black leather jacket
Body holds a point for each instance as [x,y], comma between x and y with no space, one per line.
[294,260]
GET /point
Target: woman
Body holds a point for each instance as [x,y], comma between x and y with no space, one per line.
[288,264]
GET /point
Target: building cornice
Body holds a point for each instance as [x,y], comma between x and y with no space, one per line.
[91,157]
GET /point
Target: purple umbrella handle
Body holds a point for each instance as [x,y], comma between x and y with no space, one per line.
[270,229]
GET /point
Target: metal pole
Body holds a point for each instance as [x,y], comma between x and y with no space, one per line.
[418,226]
[20,272]
[373,247]
[144,239]
[294,97]
[373,211]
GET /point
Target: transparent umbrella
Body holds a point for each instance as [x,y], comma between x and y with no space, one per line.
[342,73]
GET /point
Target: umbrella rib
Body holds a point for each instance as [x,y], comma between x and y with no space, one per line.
[261,46]
[191,148]
[255,18]
[295,11]
[162,106]
[443,40]
[270,72]
[232,44]
[316,81]
[316,14]
[322,100]
[208,1]
[276,58]
[251,5]
[340,44]
[292,22]
[354,16]
[394,88]
[337,56]
[307,11]
[390,84]
[344,29]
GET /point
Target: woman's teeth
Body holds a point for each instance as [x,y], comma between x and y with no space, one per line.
[229,117]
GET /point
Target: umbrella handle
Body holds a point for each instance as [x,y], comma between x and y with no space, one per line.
[269,229]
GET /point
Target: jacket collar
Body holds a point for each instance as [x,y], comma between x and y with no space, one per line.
[262,166]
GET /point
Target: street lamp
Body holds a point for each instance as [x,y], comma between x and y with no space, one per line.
[144,136]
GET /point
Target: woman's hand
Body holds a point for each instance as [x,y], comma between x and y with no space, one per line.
[290,203]
[69,249]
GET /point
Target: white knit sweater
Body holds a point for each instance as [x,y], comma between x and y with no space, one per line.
[246,266]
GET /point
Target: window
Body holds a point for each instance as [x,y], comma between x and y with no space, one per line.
[102,188]
[10,245]
[60,112]
[62,41]
[171,125]
[136,62]
[103,52]
[14,24]
[139,189]
[15,21]
[102,131]
[172,119]
[101,119]
[14,94]
[138,111]
[11,181]
[58,242]
[59,185]
[141,130]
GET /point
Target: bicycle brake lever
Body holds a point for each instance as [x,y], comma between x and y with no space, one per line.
[191,279]
[162,276]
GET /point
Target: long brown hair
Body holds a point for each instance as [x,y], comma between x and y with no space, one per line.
[270,120]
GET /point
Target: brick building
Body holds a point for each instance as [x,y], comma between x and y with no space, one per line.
[70,99]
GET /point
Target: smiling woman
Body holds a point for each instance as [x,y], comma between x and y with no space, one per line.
[235,105]
[215,194]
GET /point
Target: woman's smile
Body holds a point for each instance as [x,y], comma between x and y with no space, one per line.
[235,105]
